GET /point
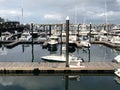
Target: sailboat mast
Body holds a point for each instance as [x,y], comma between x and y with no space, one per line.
[21,11]
[106,21]
[75,15]
[22,14]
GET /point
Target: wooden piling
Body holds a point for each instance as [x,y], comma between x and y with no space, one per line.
[67,41]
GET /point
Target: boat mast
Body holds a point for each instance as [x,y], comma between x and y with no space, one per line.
[75,14]
[106,21]
[21,11]
[22,15]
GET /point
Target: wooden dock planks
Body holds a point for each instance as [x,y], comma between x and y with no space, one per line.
[48,68]
[47,65]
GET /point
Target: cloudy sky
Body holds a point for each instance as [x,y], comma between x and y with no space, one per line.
[55,11]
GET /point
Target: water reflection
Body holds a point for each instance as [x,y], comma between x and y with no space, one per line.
[23,48]
[66,82]
[57,83]
[52,49]
[117,79]
[31,83]
[3,50]
[30,53]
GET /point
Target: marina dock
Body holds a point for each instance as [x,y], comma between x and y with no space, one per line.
[12,43]
[109,44]
[49,68]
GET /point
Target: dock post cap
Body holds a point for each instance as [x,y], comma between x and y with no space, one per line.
[67,18]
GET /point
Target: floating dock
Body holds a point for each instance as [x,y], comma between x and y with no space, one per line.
[12,43]
[109,44]
[48,68]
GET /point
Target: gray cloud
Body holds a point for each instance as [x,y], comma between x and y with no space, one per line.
[56,11]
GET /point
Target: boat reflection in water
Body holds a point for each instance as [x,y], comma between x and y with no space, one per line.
[71,49]
[72,77]
[52,49]
[57,83]
[53,41]
[117,79]
[3,50]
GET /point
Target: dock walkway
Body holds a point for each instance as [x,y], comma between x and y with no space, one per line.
[56,68]
[112,45]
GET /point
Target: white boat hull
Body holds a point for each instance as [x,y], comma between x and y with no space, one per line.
[61,58]
[54,58]
[117,59]
[117,72]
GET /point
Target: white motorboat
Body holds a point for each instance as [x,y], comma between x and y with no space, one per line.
[115,40]
[61,58]
[5,36]
[117,59]
[82,43]
[58,58]
[25,36]
[85,43]
[117,72]
[34,34]
[42,38]
[52,41]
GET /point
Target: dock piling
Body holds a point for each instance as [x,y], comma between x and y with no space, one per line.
[67,41]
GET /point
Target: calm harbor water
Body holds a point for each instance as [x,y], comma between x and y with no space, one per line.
[58,83]
[29,53]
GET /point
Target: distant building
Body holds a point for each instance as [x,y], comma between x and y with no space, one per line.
[11,26]
[1,19]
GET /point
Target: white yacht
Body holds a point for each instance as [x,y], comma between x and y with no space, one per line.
[117,59]
[115,40]
[42,38]
[58,58]
[26,36]
[5,36]
[117,72]
[61,58]
[82,43]
[53,41]
[72,37]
